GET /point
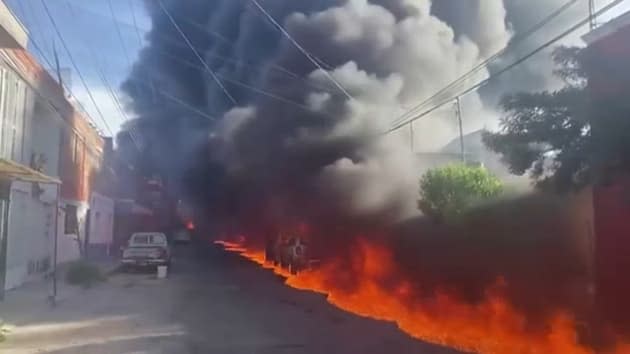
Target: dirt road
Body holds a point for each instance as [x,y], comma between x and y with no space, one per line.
[212,302]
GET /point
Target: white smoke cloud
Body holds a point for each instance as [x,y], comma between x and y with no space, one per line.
[298,133]
[385,62]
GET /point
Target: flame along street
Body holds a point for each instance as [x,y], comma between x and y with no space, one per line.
[211,302]
[492,326]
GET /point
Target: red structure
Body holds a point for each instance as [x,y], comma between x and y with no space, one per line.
[609,85]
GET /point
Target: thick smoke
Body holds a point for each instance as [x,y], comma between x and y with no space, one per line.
[280,137]
[295,148]
[293,132]
[494,23]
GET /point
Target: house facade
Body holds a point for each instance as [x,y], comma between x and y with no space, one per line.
[43,133]
[608,55]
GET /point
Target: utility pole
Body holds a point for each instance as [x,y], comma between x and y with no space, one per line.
[53,297]
[412,138]
[58,69]
[458,113]
[591,14]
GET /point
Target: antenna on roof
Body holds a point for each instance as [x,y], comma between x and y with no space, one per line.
[591,13]
[58,68]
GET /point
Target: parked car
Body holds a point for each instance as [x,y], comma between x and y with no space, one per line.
[147,249]
[182,236]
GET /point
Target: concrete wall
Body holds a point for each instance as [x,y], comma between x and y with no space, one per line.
[101,220]
[12,33]
[31,235]
[40,128]
[46,138]
[68,248]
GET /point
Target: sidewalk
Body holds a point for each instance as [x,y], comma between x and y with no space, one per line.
[128,313]
[28,302]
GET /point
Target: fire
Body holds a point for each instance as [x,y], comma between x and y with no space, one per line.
[492,326]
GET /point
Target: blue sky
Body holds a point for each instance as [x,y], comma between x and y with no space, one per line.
[90,33]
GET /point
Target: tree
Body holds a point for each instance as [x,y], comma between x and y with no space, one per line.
[549,134]
[449,191]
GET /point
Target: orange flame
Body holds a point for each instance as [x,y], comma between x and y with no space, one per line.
[493,326]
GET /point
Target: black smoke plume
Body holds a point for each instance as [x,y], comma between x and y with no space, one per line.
[295,148]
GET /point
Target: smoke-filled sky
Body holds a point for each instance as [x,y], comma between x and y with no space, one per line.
[85,24]
[91,20]
[432,43]
[307,127]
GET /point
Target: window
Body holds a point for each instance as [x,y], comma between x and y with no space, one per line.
[12,115]
[71,224]
[73,147]
[148,239]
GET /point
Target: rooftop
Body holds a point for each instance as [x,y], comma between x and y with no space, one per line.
[12,33]
[608,28]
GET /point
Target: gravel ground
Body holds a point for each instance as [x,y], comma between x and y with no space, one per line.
[210,303]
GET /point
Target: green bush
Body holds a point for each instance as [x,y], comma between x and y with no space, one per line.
[84,274]
[452,190]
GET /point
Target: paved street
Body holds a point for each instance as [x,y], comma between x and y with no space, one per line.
[218,303]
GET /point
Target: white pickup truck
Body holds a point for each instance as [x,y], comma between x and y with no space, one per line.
[147,249]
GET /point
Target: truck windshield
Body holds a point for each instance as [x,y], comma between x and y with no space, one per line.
[146,239]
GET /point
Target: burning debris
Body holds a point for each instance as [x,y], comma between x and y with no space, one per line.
[271,132]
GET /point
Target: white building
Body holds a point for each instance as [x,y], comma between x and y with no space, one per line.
[31,124]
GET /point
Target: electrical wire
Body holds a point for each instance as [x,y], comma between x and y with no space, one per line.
[135,22]
[272,66]
[302,50]
[203,62]
[106,83]
[247,86]
[511,66]
[170,97]
[120,36]
[51,67]
[252,66]
[76,67]
[114,18]
[513,43]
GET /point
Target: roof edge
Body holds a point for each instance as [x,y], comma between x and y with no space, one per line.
[608,28]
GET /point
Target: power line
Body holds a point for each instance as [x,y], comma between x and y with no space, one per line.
[183,103]
[106,83]
[35,18]
[591,11]
[76,67]
[218,77]
[120,36]
[247,86]
[46,100]
[151,84]
[135,22]
[511,66]
[270,23]
[266,93]
[302,50]
[272,66]
[513,43]
[175,99]
[206,66]
[115,98]
[129,63]
[42,53]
